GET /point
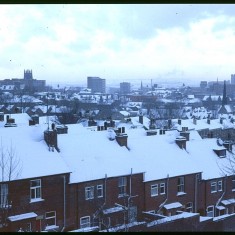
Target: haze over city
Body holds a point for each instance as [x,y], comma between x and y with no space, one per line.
[118,42]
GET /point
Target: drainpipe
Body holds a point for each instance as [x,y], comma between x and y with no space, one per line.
[160,207]
[196,189]
[64,205]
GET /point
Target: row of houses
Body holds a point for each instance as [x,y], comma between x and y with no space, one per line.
[116,176]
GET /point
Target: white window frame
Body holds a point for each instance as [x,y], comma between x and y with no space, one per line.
[180,184]
[154,190]
[189,207]
[122,183]
[208,213]
[36,190]
[99,189]
[220,185]
[86,224]
[233,183]
[3,195]
[50,217]
[213,187]
[162,188]
[89,192]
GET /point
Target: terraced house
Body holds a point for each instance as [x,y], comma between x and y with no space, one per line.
[119,176]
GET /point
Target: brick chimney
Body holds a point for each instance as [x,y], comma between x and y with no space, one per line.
[50,137]
[141,119]
[181,142]
[121,136]
[185,134]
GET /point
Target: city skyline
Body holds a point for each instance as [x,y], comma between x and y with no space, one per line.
[118,42]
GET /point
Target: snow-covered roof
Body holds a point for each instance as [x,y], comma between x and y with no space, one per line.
[90,154]
[202,124]
[228,202]
[29,148]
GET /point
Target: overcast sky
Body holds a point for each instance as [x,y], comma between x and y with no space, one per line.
[67,43]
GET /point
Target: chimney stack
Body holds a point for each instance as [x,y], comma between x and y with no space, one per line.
[179,121]
[185,134]
[141,119]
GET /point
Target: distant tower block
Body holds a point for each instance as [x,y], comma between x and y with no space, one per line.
[28,74]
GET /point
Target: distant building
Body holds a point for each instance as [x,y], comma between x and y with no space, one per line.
[27,83]
[203,84]
[232,78]
[96,84]
[125,88]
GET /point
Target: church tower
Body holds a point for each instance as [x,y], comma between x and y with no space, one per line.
[224,100]
[28,74]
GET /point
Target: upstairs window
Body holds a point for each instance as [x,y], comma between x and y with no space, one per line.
[180,186]
[162,188]
[99,190]
[3,195]
[220,187]
[154,190]
[122,182]
[213,187]
[35,189]
[89,192]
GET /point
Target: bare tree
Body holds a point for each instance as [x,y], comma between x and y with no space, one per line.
[11,168]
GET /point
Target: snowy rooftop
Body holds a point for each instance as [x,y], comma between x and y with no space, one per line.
[28,146]
[90,154]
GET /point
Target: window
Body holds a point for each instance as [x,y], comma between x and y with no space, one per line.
[3,195]
[210,211]
[162,188]
[28,227]
[50,218]
[35,189]
[85,222]
[100,190]
[180,185]
[122,185]
[220,185]
[233,183]
[213,187]
[89,192]
[189,207]
[154,190]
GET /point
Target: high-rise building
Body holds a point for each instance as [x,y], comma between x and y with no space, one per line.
[232,78]
[96,84]
[125,88]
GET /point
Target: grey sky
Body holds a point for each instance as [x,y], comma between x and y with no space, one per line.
[67,43]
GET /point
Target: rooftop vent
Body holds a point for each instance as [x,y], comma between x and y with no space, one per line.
[221,152]
[122,139]
[151,132]
[62,129]
[228,145]
[181,142]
